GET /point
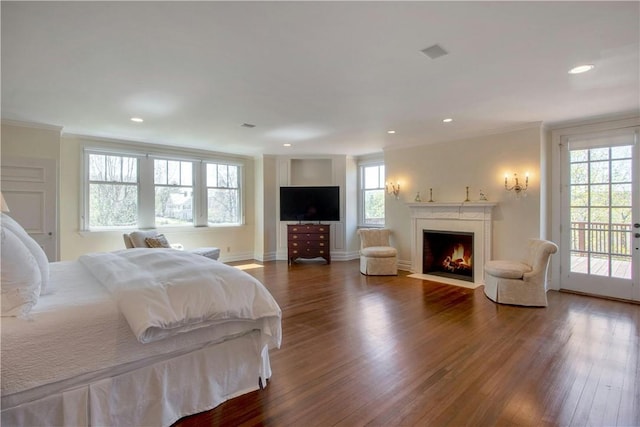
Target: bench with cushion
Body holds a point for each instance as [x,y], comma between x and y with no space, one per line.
[152,239]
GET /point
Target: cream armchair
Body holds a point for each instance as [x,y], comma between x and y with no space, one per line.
[152,239]
[521,282]
[377,256]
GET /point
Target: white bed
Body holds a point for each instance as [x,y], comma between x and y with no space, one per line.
[74,359]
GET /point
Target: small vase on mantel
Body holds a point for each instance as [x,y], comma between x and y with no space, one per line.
[417,199]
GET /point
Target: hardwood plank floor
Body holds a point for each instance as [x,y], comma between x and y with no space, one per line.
[390,351]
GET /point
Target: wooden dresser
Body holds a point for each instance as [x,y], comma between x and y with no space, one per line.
[308,241]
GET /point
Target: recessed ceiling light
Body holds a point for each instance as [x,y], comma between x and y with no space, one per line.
[447,120]
[286,145]
[137,119]
[391,131]
[581,69]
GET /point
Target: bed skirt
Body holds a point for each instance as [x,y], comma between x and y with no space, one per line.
[157,394]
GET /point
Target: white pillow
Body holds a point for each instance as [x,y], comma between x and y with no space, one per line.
[137,238]
[20,276]
[34,248]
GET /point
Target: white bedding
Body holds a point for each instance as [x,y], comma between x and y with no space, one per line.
[163,292]
[77,334]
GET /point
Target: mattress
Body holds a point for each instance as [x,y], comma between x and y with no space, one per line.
[76,335]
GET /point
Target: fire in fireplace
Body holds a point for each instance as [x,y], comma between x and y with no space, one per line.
[448,254]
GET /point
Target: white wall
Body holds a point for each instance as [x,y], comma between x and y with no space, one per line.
[30,140]
[265,208]
[480,163]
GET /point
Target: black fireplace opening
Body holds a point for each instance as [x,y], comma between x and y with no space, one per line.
[448,254]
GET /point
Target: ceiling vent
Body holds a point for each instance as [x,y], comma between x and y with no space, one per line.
[247,125]
[435,51]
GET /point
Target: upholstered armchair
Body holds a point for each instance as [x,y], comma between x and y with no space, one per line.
[521,282]
[377,256]
[152,239]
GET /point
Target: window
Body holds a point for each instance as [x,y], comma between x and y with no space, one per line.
[113,191]
[173,181]
[223,194]
[372,194]
[125,190]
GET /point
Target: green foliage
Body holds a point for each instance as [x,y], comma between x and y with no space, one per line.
[113,205]
[374,207]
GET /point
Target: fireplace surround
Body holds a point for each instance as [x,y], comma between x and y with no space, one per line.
[469,218]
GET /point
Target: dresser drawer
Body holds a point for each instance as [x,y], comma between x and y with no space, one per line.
[308,244]
[308,228]
[308,236]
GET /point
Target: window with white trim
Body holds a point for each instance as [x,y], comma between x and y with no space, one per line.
[173,180]
[135,190]
[223,193]
[113,191]
[372,191]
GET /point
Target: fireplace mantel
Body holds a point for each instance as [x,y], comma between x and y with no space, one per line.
[462,210]
[475,217]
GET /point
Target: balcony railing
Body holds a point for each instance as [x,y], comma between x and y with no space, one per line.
[603,238]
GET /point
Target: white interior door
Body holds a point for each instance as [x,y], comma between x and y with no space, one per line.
[601,223]
[29,187]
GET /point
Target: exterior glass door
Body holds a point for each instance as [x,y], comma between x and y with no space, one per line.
[601,201]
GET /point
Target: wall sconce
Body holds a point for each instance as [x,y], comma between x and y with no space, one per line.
[393,189]
[517,187]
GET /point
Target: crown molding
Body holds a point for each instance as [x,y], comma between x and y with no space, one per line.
[31,125]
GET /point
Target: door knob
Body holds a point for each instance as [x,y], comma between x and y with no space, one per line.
[637,234]
[636,225]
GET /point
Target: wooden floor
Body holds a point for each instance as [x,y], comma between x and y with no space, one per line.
[600,267]
[397,351]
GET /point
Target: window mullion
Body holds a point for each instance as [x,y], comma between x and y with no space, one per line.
[199,195]
[146,193]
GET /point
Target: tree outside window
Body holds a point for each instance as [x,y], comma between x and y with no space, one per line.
[130,190]
[372,192]
[223,194]
[113,191]
[173,182]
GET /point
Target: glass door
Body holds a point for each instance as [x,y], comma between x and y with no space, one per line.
[601,229]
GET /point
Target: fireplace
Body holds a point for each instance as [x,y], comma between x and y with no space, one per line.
[448,254]
[468,220]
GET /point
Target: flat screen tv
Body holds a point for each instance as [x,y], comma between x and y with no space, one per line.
[310,204]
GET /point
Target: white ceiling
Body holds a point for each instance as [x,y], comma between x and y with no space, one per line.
[327,77]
